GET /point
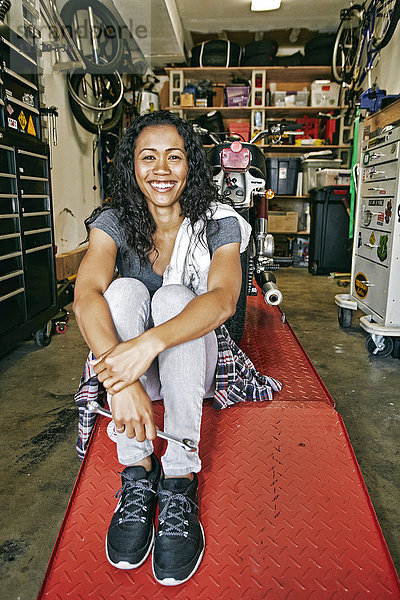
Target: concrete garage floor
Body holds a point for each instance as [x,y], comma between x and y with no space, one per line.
[38,463]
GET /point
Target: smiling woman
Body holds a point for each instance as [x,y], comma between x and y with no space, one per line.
[157,331]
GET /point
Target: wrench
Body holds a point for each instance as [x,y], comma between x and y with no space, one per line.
[186,444]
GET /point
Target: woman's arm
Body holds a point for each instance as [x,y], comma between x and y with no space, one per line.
[131,407]
[91,310]
[125,363]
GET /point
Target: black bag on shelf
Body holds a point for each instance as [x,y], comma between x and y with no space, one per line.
[319,50]
[294,60]
[267,47]
[258,60]
[216,53]
[259,53]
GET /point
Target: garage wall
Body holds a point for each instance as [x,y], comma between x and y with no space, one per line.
[387,72]
[72,172]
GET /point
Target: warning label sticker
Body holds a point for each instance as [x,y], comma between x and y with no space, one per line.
[12,123]
[22,119]
[31,128]
[360,285]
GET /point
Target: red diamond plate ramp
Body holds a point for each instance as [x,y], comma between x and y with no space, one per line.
[275,350]
[283,504]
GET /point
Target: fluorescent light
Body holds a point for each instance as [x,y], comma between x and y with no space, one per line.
[265,4]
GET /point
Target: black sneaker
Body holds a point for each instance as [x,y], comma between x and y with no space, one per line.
[180,541]
[130,536]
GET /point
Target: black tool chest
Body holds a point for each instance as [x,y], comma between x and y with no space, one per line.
[28,298]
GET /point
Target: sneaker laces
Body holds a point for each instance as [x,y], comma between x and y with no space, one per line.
[134,505]
[173,515]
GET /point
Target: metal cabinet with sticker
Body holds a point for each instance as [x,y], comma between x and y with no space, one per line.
[375,279]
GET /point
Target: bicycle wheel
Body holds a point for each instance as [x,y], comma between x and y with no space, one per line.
[96,33]
[346,48]
[386,17]
[96,100]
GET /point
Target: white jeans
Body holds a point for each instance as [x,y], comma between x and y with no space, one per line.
[182,376]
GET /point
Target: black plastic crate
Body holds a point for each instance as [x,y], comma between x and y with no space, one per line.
[282,174]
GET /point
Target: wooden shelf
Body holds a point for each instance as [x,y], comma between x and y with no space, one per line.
[274,74]
[284,197]
[289,232]
[243,111]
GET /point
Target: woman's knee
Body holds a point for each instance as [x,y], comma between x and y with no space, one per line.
[168,301]
[126,289]
[126,293]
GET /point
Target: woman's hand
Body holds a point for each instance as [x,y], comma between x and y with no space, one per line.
[132,409]
[125,363]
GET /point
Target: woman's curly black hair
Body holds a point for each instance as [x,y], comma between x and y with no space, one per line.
[128,200]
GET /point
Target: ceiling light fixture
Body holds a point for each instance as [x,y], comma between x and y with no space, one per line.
[258,5]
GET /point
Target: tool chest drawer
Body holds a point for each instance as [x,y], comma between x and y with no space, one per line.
[7,159]
[32,164]
[371,284]
[37,239]
[18,56]
[375,245]
[8,183]
[35,221]
[374,156]
[376,189]
[12,311]
[387,170]
[11,283]
[32,186]
[10,261]
[9,224]
[31,204]
[9,244]
[8,204]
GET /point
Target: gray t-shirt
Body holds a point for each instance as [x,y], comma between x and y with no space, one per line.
[218,233]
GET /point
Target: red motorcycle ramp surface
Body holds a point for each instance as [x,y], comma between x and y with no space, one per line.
[282,500]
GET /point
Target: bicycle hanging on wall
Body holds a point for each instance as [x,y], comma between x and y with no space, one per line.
[363,31]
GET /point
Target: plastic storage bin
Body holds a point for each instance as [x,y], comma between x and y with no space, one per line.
[328,177]
[310,167]
[282,174]
[237,95]
[290,98]
[324,93]
[330,247]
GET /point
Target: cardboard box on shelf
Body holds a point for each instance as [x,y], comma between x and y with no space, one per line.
[282,221]
[187,100]
[218,94]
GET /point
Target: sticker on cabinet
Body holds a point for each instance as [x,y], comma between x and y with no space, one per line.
[360,285]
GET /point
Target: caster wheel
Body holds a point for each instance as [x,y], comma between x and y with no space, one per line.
[385,351]
[345,316]
[42,337]
[314,268]
[61,327]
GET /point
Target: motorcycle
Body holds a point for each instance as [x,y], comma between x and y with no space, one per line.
[239,173]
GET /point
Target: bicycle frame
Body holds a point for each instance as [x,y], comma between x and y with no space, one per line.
[62,40]
[365,47]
